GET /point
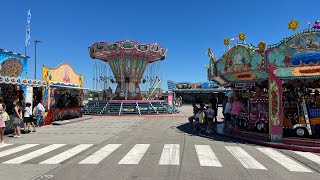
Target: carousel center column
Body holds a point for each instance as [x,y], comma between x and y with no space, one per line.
[275,109]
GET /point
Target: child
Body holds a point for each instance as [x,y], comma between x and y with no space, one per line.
[28,119]
[196,119]
[2,121]
[210,113]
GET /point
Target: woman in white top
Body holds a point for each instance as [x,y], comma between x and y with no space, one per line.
[28,119]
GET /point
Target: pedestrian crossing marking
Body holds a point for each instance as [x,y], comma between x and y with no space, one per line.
[206,156]
[285,161]
[244,158]
[135,154]
[4,145]
[16,149]
[100,154]
[170,154]
[67,154]
[33,154]
[310,156]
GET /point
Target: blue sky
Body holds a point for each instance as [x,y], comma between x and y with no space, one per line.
[187,28]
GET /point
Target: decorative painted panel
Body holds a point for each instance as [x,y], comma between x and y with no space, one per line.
[301,50]
[13,65]
[240,59]
[275,108]
[63,74]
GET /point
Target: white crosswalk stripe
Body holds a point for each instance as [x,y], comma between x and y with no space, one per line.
[170,154]
[310,156]
[33,154]
[100,154]
[206,156]
[4,145]
[135,154]
[285,161]
[244,158]
[67,154]
[17,149]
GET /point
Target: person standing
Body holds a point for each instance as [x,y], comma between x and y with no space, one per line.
[214,103]
[17,118]
[39,113]
[236,108]
[209,113]
[227,111]
[224,103]
[28,119]
[193,117]
[2,121]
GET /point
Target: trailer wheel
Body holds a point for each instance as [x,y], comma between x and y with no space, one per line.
[259,127]
[301,131]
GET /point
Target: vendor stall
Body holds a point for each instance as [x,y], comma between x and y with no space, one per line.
[64,97]
[13,79]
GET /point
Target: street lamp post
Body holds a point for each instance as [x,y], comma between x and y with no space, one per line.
[35,57]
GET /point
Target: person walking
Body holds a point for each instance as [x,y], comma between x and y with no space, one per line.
[2,121]
[17,118]
[40,113]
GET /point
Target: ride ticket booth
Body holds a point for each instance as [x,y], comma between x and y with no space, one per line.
[64,97]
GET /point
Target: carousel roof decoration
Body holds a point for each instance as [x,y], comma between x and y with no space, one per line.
[108,50]
[316,25]
[13,53]
[293,25]
[242,37]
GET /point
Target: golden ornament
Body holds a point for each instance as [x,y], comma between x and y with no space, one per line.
[242,36]
[226,41]
[293,25]
[262,46]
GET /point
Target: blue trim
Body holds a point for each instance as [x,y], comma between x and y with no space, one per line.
[63,84]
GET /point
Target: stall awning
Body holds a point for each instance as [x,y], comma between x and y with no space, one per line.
[69,87]
[22,81]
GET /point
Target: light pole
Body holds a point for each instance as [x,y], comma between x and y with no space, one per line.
[35,57]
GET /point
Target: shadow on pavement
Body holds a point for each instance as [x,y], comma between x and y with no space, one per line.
[185,128]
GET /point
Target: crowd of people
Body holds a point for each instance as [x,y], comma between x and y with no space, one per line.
[20,112]
[204,116]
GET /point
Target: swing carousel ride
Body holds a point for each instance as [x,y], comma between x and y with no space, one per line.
[128,61]
[131,64]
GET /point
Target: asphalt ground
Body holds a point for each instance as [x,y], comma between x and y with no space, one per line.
[148,147]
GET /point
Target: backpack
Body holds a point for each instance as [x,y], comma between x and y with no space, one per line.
[202,117]
[34,112]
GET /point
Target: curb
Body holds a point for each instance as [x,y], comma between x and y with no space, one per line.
[71,121]
[273,145]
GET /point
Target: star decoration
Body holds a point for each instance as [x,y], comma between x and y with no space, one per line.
[226,41]
[242,36]
[293,25]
